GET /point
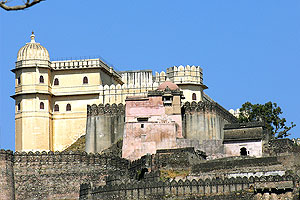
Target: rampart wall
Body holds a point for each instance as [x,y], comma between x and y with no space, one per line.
[6,175]
[53,175]
[228,188]
[105,126]
[202,125]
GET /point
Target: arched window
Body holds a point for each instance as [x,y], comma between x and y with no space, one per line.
[68,108]
[19,106]
[19,80]
[42,106]
[41,79]
[56,81]
[243,151]
[85,80]
[56,108]
[194,97]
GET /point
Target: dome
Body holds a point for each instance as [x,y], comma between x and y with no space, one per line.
[168,84]
[33,50]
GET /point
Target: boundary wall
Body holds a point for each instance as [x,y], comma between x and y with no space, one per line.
[104,127]
[258,186]
[53,175]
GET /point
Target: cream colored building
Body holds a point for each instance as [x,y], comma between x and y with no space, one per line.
[51,97]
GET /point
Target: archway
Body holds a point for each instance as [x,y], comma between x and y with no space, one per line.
[243,151]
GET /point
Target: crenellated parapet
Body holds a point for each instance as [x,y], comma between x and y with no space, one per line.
[185,74]
[54,158]
[181,75]
[101,109]
[249,187]
[209,107]
[6,155]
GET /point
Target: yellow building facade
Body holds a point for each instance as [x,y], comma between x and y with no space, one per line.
[51,97]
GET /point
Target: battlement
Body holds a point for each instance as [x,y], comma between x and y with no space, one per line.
[201,187]
[6,155]
[95,110]
[205,106]
[62,157]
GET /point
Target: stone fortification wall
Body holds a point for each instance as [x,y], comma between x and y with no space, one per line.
[283,187]
[202,125]
[6,175]
[105,126]
[53,175]
[205,120]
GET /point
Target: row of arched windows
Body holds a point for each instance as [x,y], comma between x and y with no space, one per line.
[42,107]
[56,81]
[84,81]
[56,107]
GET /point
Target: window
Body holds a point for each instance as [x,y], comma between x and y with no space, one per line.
[85,80]
[56,81]
[42,106]
[68,108]
[243,151]
[19,106]
[56,108]
[167,100]
[19,80]
[142,125]
[194,97]
[142,119]
[41,79]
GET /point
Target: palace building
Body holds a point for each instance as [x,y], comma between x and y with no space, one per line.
[51,97]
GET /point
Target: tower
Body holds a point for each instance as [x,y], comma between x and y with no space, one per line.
[33,98]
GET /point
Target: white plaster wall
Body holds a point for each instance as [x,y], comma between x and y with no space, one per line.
[254,148]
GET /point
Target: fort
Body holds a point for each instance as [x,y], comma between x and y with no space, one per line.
[136,135]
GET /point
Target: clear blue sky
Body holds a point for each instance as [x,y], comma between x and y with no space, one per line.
[249,50]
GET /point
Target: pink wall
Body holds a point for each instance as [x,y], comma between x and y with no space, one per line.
[139,141]
[159,132]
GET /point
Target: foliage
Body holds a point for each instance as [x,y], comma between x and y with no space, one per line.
[166,174]
[268,113]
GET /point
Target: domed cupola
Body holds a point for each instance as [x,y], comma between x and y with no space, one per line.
[33,51]
[168,84]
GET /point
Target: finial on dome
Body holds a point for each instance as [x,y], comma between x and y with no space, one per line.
[32,37]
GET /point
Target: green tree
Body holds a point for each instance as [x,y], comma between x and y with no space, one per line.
[268,113]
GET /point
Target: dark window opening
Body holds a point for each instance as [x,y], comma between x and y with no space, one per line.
[142,119]
[142,125]
[243,151]
[141,175]
[68,108]
[19,80]
[85,80]
[56,81]
[194,97]
[56,108]
[41,79]
[42,106]
[19,106]
[167,101]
